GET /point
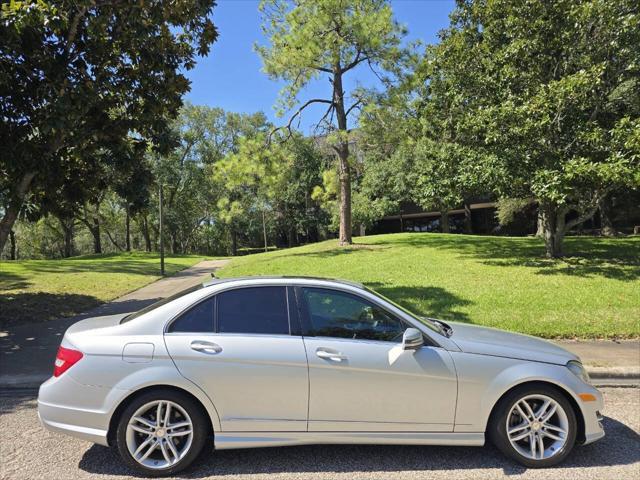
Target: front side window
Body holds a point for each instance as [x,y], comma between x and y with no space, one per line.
[339,314]
[253,310]
[197,319]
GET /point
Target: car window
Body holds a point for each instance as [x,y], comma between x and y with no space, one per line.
[253,310]
[339,314]
[198,318]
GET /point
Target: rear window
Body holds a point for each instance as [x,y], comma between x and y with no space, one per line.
[197,319]
[253,310]
[159,303]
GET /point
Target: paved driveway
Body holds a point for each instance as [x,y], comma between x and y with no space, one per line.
[30,452]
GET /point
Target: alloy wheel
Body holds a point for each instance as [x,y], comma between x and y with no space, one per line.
[159,434]
[537,427]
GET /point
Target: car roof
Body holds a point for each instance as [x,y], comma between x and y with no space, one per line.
[286,278]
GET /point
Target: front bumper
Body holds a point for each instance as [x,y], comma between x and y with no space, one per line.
[593,419]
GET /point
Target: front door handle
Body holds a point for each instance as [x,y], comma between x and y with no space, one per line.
[205,347]
[330,355]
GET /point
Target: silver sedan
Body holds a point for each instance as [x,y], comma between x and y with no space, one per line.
[259,362]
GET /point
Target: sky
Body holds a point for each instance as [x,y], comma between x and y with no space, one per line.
[230,77]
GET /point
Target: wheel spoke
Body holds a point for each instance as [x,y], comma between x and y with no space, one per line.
[552,435]
[142,446]
[149,451]
[167,414]
[520,436]
[517,428]
[543,408]
[181,433]
[549,426]
[143,421]
[524,416]
[159,415]
[146,431]
[540,446]
[530,414]
[165,453]
[532,444]
[178,425]
[549,414]
[172,447]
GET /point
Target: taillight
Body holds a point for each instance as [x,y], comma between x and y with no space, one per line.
[65,359]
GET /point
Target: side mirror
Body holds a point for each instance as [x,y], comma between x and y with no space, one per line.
[412,339]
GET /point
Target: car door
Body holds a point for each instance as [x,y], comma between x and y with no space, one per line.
[360,378]
[239,348]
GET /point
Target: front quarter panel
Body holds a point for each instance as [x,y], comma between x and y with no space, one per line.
[484,379]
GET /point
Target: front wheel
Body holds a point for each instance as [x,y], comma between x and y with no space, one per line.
[161,433]
[535,426]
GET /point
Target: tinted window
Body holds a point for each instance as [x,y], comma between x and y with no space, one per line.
[338,314]
[197,319]
[253,310]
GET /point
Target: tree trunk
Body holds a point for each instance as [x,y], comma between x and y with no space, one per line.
[554,221]
[234,243]
[95,231]
[12,246]
[264,231]
[67,230]
[14,206]
[606,224]
[468,226]
[540,223]
[127,229]
[444,219]
[145,233]
[342,149]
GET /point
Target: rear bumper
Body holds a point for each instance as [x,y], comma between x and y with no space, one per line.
[49,414]
[81,411]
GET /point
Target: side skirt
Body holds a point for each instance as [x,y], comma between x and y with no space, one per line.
[230,440]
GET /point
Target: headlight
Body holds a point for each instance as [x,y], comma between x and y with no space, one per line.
[578,370]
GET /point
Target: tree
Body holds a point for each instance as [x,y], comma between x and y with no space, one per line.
[549,93]
[79,72]
[314,38]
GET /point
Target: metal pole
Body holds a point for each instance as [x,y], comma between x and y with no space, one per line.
[160,202]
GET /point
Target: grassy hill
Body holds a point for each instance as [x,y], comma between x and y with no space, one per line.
[495,281]
[34,290]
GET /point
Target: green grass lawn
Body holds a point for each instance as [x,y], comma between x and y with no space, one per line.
[495,281]
[37,290]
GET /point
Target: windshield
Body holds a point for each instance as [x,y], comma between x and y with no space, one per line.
[159,303]
[425,321]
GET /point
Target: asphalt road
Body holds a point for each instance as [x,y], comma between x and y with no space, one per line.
[27,451]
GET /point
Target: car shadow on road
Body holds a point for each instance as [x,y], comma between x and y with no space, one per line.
[617,448]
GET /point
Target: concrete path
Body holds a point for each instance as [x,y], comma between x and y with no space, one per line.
[27,351]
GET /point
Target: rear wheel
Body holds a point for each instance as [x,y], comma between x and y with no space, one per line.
[534,425]
[161,433]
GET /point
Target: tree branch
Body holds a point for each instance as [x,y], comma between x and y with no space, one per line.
[296,114]
[358,59]
[355,105]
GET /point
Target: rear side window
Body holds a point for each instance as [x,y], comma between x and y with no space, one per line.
[253,310]
[198,318]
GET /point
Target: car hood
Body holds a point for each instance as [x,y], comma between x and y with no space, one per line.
[498,343]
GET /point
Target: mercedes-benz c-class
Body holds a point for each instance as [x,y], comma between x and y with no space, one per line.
[260,362]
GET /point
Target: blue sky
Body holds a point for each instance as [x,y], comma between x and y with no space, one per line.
[230,77]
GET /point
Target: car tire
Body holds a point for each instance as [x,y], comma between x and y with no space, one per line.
[553,430]
[174,449]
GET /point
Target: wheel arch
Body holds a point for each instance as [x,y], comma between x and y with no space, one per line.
[117,413]
[580,437]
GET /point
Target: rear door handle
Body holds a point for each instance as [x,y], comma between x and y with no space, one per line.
[205,347]
[330,355]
